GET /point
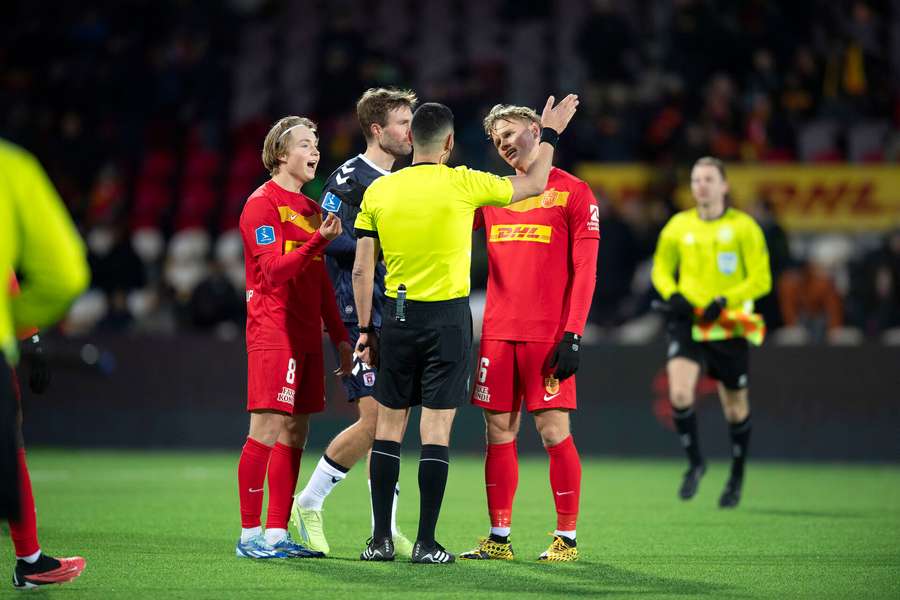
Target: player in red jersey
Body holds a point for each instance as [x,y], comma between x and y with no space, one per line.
[542,256]
[289,295]
[33,567]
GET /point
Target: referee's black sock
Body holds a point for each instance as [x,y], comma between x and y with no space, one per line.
[740,441]
[384,470]
[686,424]
[433,466]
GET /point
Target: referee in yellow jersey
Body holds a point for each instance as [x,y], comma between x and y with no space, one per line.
[721,260]
[39,241]
[421,219]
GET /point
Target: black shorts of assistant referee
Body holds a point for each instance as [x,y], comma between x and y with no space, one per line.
[726,361]
[426,359]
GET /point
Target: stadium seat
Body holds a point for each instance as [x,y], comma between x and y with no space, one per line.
[817,141]
[866,141]
[188,246]
[229,248]
[148,243]
[88,310]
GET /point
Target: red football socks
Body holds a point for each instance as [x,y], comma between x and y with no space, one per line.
[501,477]
[565,481]
[251,477]
[24,531]
[284,469]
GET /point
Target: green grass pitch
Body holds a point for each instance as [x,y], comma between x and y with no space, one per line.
[164,525]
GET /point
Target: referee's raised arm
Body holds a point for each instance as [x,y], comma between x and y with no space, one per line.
[421,218]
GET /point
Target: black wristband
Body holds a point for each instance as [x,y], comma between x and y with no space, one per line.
[367,329]
[549,135]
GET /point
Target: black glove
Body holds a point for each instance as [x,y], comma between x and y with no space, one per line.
[680,307]
[565,358]
[350,193]
[714,310]
[372,345]
[38,368]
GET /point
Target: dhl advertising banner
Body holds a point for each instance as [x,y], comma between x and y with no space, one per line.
[807,197]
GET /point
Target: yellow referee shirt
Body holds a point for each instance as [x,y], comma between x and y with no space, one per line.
[725,257]
[38,239]
[422,216]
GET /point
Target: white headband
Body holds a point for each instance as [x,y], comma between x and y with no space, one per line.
[288,129]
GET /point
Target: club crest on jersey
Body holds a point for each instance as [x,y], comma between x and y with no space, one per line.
[265,234]
[482,394]
[331,203]
[369,378]
[551,384]
[548,198]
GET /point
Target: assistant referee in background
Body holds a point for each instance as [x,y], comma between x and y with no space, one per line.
[421,218]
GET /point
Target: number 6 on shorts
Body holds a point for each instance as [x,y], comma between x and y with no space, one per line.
[482,371]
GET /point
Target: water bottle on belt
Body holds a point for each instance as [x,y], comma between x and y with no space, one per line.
[400,312]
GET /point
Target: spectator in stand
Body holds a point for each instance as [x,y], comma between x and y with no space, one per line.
[763,210]
[874,302]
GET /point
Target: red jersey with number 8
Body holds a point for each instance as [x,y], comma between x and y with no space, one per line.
[530,259]
[288,297]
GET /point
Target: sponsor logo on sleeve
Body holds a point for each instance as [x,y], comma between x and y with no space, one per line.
[249,295]
[593,222]
[265,234]
[331,203]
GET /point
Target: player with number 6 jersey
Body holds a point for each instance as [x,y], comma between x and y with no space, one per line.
[289,295]
[542,256]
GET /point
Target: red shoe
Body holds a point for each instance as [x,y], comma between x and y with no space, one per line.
[46,570]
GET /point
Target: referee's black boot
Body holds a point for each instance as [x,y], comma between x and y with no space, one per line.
[378,550]
[731,495]
[691,481]
[431,554]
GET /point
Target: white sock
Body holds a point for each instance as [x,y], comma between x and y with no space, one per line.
[501,531]
[568,534]
[320,484]
[248,534]
[394,509]
[31,558]
[273,536]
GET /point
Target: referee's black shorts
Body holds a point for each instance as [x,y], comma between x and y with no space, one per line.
[726,361]
[427,359]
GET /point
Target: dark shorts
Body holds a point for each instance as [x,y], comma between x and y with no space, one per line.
[361,381]
[427,359]
[726,361]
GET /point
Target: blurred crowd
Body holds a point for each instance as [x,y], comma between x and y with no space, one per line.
[150,117]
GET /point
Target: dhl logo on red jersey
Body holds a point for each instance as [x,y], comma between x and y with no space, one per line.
[308,224]
[521,233]
[548,199]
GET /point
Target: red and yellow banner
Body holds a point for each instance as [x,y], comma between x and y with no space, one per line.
[839,197]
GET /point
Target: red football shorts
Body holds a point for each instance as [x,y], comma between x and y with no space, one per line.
[508,372]
[280,380]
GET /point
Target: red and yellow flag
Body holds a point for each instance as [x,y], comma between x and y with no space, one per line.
[732,323]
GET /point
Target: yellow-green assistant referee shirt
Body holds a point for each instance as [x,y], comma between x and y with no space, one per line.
[725,257]
[38,239]
[423,217]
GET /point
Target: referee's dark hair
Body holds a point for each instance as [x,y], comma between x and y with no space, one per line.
[430,123]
